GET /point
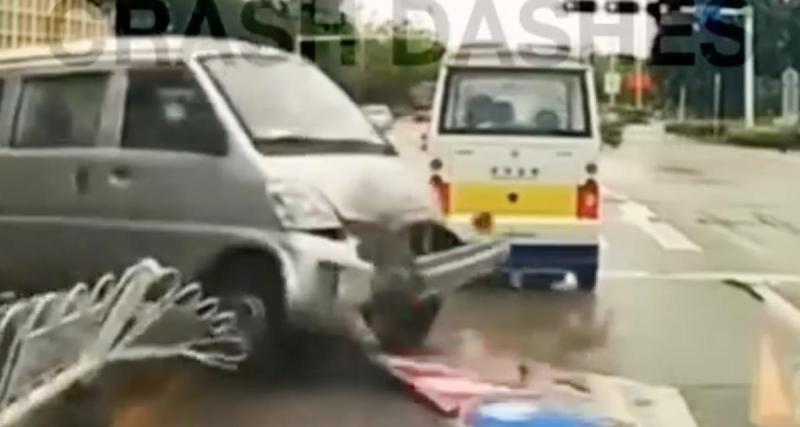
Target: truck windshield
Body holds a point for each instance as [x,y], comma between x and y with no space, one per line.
[526,102]
[289,106]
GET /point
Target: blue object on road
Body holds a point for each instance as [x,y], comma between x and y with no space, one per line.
[529,414]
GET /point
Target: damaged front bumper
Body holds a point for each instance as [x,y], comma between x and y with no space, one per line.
[326,275]
[448,270]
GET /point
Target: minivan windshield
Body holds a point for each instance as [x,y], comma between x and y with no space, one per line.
[504,101]
[289,106]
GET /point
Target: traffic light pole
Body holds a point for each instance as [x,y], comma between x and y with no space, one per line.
[750,68]
[612,98]
[749,58]
[639,89]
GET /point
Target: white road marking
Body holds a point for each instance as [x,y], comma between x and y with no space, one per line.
[613,194]
[670,238]
[701,276]
[622,398]
[635,212]
[667,236]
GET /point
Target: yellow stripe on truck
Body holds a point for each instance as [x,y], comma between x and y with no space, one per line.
[514,199]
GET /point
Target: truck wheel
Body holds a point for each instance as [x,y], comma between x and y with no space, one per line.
[587,279]
[400,322]
[251,285]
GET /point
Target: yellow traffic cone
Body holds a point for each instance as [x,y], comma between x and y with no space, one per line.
[771,399]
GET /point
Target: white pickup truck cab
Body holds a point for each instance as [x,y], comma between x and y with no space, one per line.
[514,144]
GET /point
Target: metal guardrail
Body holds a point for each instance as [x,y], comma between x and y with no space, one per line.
[52,342]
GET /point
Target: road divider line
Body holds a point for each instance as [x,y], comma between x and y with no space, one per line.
[701,276]
[670,238]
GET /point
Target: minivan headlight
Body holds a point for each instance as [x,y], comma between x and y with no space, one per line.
[301,207]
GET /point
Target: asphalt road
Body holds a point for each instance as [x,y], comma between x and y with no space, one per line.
[678,218]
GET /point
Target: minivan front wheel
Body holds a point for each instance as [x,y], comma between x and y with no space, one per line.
[400,321]
[251,285]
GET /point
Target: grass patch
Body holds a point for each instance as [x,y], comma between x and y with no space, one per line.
[772,137]
[697,130]
[632,115]
[766,137]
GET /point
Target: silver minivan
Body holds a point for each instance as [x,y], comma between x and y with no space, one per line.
[243,166]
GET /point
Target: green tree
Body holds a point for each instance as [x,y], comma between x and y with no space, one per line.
[777,46]
[397,59]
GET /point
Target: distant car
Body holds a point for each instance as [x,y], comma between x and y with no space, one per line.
[611,117]
[379,115]
[244,167]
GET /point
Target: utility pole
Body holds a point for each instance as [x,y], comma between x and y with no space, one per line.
[362,65]
[639,73]
[612,97]
[297,11]
[717,102]
[750,68]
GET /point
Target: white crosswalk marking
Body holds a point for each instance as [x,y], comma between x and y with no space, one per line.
[667,236]
[613,194]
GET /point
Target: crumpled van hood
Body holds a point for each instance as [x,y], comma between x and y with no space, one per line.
[362,187]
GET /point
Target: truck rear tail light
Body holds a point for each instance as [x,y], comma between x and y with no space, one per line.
[442,190]
[589,200]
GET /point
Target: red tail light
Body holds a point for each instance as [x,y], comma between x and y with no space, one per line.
[442,190]
[589,200]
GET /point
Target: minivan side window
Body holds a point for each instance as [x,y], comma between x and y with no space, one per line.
[60,111]
[166,109]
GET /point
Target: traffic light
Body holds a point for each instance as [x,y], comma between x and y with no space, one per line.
[611,6]
[586,6]
[626,7]
[711,14]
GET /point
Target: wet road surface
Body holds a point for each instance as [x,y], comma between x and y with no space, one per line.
[679,217]
[697,336]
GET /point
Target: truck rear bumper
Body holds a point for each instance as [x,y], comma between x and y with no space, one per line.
[532,230]
[552,258]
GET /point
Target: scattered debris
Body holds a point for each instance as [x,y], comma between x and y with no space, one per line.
[490,388]
[50,343]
